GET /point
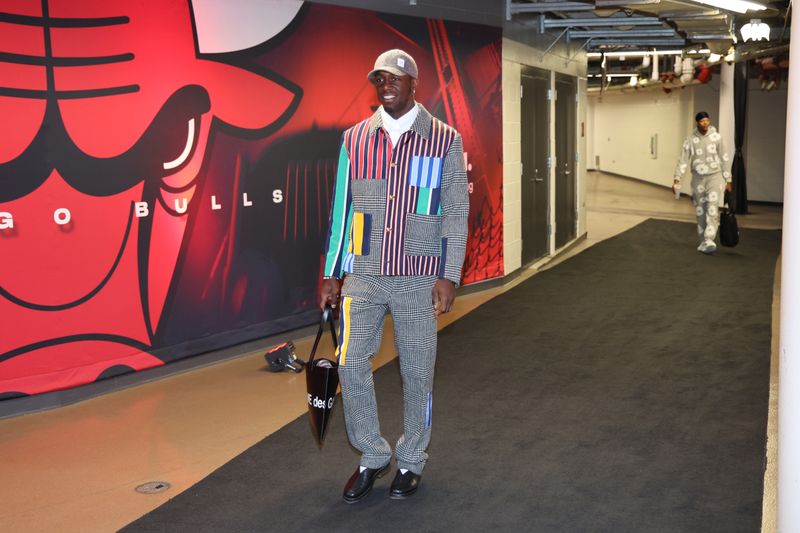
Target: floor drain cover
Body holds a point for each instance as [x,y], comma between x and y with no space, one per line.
[152,487]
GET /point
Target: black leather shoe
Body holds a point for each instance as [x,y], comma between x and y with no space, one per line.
[404,485]
[360,483]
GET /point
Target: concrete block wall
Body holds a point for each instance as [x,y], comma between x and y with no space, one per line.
[512,166]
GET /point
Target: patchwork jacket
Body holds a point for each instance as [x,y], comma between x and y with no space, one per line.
[705,153]
[399,211]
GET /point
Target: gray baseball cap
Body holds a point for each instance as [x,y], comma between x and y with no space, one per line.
[396,62]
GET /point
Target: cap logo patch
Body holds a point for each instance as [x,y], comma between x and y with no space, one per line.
[401,62]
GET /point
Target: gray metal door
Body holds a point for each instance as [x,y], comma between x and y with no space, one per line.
[535,140]
[566,114]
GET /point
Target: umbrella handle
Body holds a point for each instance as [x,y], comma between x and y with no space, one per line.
[327,316]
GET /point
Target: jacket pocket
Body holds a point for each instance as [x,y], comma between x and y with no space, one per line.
[425,172]
[423,235]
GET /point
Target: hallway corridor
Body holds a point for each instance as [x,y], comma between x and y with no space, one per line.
[76,468]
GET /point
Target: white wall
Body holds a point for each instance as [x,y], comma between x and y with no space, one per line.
[590,136]
[512,166]
[622,122]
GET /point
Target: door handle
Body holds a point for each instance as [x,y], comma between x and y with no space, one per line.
[536,175]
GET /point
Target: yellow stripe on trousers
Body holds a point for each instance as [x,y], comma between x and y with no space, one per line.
[344,333]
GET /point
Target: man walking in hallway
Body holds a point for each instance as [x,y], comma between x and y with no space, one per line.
[705,153]
[398,231]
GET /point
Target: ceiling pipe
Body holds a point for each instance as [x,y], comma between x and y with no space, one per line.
[697,36]
[601,22]
[686,14]
[630,54]
[659,32]
[544,7]
[637,42]
[693,25]
[624,87]
[705,28]
[747,55]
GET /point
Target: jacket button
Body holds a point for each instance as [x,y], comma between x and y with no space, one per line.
[393,165]
[388,229]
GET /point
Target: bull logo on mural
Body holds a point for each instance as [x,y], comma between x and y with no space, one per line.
[109,112]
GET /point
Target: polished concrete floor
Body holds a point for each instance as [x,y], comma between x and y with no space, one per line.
[76,468]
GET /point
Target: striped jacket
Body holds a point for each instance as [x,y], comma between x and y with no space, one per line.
[399,211]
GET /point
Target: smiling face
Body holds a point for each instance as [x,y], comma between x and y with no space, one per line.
[395,93]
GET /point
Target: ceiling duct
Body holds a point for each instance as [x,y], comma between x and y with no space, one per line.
[601,22]
[692,14]
[689,27]
[638,42]
[702,36]
[643,32]
[544,7]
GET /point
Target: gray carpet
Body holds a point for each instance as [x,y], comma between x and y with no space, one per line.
[624,390]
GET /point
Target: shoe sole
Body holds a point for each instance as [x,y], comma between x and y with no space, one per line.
[403,496]
[382,472]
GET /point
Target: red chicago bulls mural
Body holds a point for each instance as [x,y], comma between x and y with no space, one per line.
[164,181]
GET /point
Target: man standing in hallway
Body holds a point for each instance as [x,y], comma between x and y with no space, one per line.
[705,153]
[398,231]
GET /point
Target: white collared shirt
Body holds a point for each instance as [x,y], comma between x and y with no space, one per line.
[396,127]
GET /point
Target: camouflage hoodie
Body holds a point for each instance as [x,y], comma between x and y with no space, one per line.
[705,154]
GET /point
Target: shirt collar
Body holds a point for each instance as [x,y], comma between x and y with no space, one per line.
[421,125]
[401,124]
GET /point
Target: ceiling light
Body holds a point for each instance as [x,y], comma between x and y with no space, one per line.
[739,6]
[755,30]
[633,54]
[612,75]
[633,81]
[714,58]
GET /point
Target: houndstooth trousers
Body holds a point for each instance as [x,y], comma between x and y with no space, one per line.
[365,301]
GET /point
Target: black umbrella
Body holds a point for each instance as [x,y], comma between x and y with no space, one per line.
[322,380]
